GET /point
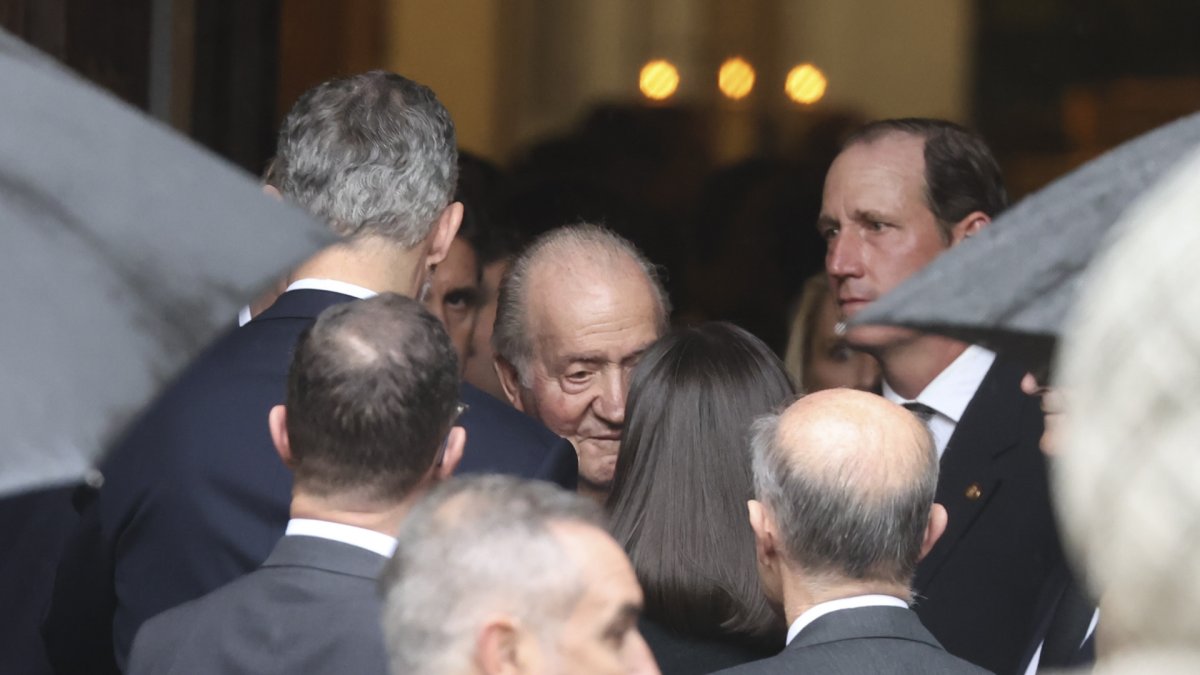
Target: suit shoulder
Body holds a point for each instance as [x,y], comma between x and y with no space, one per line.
[488,412]
[850,657]
[155,645]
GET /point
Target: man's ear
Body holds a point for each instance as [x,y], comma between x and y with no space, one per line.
[498,648]
[442,234]
[969,226]
[272,191]
[766,551]
[938,518]
[765,544]
[510,381]
[456,441]
[277,421]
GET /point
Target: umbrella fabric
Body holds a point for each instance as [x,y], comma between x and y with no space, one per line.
[1009,287]
[123,248]
[1127,483]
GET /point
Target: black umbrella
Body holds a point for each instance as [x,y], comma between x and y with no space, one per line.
[123,248]
[1010,287]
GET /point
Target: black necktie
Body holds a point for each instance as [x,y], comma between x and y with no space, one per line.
[920,410]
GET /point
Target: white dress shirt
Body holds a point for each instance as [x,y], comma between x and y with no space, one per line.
[332,285]
[854,602]
[950,392]
[347,534]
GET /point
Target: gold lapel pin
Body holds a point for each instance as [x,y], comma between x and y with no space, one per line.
[974,491]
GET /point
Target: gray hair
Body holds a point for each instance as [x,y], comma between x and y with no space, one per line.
[510,337]
[832,525]
[372,154]
[474,547]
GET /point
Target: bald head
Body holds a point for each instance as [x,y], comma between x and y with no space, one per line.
[563,267]
[849,478]
[857,438]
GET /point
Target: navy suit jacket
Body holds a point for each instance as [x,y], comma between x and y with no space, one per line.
[34,527]
[978,589]
[877,640]
[313,607]
[195,495]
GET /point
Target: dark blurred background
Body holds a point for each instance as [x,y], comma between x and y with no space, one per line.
[701,129]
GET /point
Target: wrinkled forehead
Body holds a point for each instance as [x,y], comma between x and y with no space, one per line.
[574,306]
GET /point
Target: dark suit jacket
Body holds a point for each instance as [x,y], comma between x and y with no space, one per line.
[978,588]
[311,608]
[680,654]
[1065,612]
[875,640]
[195,495]
[501,439]
[34,527]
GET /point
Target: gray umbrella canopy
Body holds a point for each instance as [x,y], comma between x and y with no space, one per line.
[123,249]
[1010,287]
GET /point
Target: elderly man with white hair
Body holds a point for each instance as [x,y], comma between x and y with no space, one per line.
[497,575]
[577,308]
[844,483]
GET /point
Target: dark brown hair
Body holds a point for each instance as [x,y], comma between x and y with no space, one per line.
[961,174]
[683,477]
[371,394]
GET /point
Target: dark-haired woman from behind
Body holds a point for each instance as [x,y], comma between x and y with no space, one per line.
[678,503]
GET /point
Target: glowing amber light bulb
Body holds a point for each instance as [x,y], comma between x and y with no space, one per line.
[805,84]
[658,80]
[735,79]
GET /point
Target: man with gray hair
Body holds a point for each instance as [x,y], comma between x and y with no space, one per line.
[195,494]
[844,483]
[577,308]
[498,575]
[372,395]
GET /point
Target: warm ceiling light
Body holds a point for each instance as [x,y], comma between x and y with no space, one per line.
[735,79]
[658,80]
[805,84]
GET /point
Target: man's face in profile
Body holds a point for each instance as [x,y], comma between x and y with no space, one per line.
[877,225]
[600,636]
[454,296]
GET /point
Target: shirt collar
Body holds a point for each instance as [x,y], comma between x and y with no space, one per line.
[309,284]
[347,534]
[332,285]
[854,602]
[953,388]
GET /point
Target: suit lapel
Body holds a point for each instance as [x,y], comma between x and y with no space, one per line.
[327,555]
[969,475]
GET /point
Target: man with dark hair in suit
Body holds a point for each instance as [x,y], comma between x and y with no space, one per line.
[195,495]
[372,395]
[899,194]
[843,510]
